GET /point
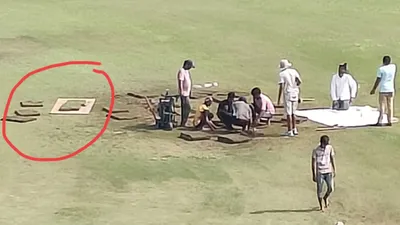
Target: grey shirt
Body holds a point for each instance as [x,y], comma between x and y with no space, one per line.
[242,110]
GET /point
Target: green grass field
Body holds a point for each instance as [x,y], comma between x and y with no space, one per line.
[237,43]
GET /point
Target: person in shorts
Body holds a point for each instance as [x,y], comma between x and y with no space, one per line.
[289,82]
[323,169]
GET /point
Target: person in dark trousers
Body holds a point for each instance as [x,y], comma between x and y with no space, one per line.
[243,114]
[185,89]
[323,168]
[225,111]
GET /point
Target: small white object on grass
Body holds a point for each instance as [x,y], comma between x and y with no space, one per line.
[215,84]
[197,86]
[339,223]
[207,85]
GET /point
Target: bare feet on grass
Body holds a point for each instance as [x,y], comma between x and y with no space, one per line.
[326,201]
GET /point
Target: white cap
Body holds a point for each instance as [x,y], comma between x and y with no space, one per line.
[284,64]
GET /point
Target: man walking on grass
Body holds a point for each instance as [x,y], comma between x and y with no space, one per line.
[386,81]
[323,168]
[289,82]
[185,89]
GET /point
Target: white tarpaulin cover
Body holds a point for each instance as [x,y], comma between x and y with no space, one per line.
[353,117]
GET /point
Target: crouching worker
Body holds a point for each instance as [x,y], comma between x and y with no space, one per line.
[343,89]
[263,106]
[243,114]
[225,111]
[203,116]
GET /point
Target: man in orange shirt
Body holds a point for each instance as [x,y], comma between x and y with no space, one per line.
[203,116]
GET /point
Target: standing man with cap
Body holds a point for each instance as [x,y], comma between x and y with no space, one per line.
[289,82]
[343,89]
[386,81]
[185,89]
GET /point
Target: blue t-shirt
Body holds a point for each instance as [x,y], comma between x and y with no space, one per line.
[387,74]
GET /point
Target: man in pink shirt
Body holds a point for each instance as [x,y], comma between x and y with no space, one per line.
[263,106]
[185,89]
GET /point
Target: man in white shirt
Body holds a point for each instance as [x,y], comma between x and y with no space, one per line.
[289,82]
[386,81]
[343,89]
[185,89]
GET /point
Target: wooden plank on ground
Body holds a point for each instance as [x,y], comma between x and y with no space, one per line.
[155,116]
[116,110]
[123,116]
[27,112]
[140,96]
[31,103]
[194,136]
[253,134]
[20,119]
[73,105]
[233,139]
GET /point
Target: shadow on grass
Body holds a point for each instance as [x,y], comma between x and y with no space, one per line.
[219,131]
[141,127]
[150,128]
[222,131]
[286,211]
[186,129]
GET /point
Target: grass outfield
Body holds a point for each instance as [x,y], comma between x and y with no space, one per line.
[237,43]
